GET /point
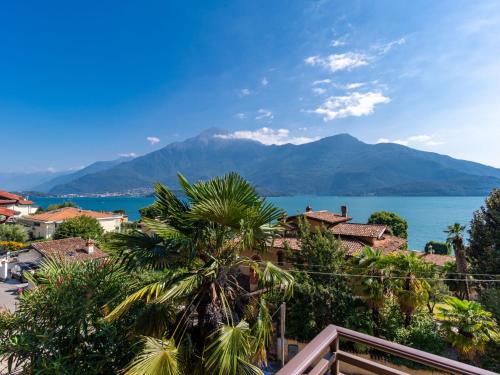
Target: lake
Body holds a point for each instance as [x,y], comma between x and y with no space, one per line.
[427,216]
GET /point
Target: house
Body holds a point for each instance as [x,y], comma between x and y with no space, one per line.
[71,249]
[353,236]
[6,214]
[15,203]
[44,225]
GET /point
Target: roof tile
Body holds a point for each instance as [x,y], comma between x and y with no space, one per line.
[68,248]
[70,213]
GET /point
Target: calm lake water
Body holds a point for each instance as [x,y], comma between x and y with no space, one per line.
[427,216]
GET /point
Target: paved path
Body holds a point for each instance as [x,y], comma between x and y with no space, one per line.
[8,293]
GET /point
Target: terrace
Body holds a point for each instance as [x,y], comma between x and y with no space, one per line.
[323,354]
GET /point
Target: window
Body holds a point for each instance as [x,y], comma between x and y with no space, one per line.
[281,258]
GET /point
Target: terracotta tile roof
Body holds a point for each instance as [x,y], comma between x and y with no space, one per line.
[68,248]
[437,259]
[352,247]
[292,242]
[17,198]
[389,244]
[359,230]
[324,216]
[7,201]
[69,213]
[7,212]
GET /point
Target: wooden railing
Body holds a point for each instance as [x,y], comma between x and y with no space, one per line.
[314,356]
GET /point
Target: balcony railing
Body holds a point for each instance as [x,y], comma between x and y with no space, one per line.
[314,356]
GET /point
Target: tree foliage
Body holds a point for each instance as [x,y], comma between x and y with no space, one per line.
[59,326]
[13,232]
[82,226]
[318,299]
[467,326]
[398,226]
[484,236]
[438,247]
[208,317]
[151,212]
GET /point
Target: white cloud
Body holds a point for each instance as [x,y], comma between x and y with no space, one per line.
[241,115]
[264,114]
[337,43]
[268,136]
[354,104]
[264,82]
[419,138]
[415,140]
[352,86]
[386,47]
[153,140]
[319,90]
[128,155]
[245,92]
[342,61]
[322,81]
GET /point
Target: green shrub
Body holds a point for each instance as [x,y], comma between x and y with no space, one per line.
[397,225]
[82,226]
[59,326]
[438,247]
[490,299]
[13,232]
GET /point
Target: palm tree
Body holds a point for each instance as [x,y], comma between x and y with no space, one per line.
[217,326]
[467,326]
[371,284]
[455,238]
[411,288]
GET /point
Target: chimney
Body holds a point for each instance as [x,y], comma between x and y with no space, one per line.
[309,208]
[89,246]
[343,210]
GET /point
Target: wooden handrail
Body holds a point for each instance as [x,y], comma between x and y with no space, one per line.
[307,356]
[327,340]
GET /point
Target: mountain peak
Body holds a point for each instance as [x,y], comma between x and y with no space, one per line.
[211,132]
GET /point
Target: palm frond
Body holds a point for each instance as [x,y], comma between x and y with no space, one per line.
[137,250]
[273,277]
[230,349]
[148,293]
[159,357]
[262,333]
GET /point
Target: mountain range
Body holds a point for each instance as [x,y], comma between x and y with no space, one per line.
[336,165]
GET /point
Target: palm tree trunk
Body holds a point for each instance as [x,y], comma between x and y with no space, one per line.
[462,269]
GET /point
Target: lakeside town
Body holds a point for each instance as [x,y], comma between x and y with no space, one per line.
[318,268]
[300,187]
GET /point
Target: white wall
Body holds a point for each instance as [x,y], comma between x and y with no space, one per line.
[46,230]
[110,224]
[23,209]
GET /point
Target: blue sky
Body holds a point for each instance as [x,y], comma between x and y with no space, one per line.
[87,81]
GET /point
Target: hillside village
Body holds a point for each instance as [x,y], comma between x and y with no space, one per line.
[291,247]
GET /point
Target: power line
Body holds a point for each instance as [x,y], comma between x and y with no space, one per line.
[307,265]
[381,276]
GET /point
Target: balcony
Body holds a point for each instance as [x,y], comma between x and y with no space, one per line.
[323,354]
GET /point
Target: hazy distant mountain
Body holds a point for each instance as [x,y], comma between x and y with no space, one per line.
[20,181]
[98,166]
[337,165]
